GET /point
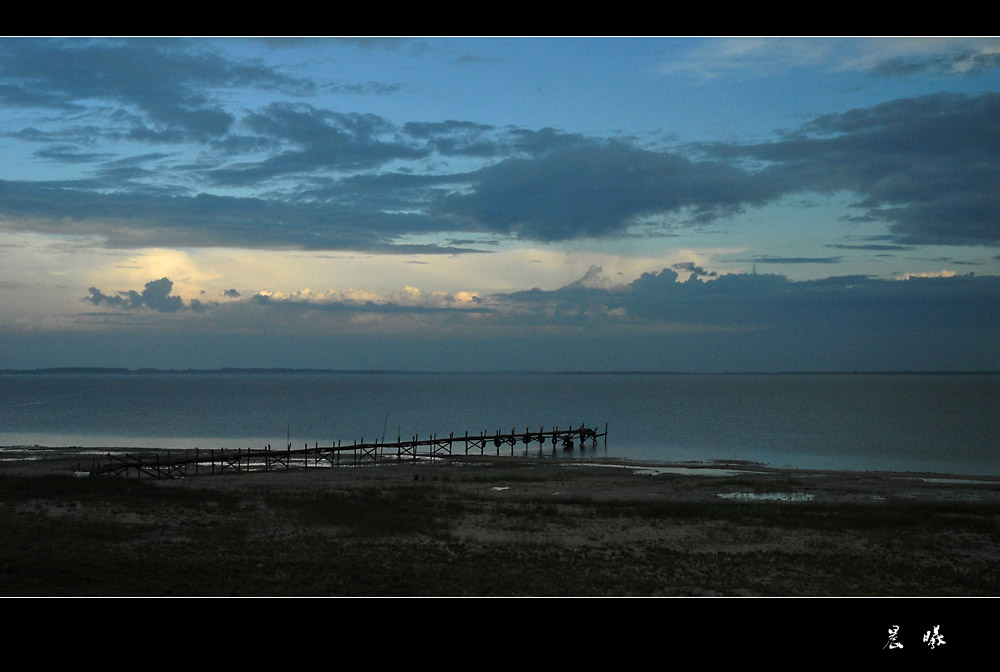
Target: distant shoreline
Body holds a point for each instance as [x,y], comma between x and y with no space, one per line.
[88,370]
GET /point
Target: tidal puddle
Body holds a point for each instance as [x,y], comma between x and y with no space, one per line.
[959,481]
[767,496]
[685,471]
[690,471]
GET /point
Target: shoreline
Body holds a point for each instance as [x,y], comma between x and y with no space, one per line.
[26,447]
[73,460]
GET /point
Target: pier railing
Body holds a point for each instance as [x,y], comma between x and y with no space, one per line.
[196,462]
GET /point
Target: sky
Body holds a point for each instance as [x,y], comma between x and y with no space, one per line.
[512,203]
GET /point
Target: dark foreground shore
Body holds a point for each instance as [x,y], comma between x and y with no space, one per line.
[499,527]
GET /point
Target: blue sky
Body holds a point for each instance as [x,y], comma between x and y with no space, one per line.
[500,203]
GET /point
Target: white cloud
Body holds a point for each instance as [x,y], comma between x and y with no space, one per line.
[927,274]
[763,56]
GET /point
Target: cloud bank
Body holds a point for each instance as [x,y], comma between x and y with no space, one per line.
[290,174]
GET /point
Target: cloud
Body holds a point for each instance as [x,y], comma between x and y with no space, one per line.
[155,296]
[295,175]
[432,129]
[592,279]
[878,56]
[320,140]
[162,80]
[926,165]
[368,88]
[455,138]
[875,247]
[731,322]
[805,316]
[137,219]
[69,154]
[369,41]
[597,191]
[956,62]
[768,259]
[694,269]
[748,55]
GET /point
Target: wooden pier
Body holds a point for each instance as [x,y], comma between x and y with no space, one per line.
[200,462]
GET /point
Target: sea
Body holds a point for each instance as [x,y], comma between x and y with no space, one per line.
[941,423]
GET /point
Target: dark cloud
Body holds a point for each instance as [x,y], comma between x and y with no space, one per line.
[155,296]
[694,269]
[371,42]
[163,80]
[874,247]
[598,191]
[370,88]
[545,140]
[319,308]
[431,129]
[133,173]
[456,138]
[231,294]
[767,259]
[321,140]
[775,313]
[472,241]
[198,306]
[928,166]
[70,154]
[138,219]
[925,166]
[732,322]
[960,62]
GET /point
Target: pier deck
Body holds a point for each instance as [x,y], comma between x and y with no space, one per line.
[196,462]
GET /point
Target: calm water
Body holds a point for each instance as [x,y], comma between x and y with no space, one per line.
[943,423]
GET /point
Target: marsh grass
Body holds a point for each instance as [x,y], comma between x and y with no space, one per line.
[369,512]
[505,478]
[71,491]
[758,485]
[68,536]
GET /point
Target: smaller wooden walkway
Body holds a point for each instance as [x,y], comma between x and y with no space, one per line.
[198,462]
